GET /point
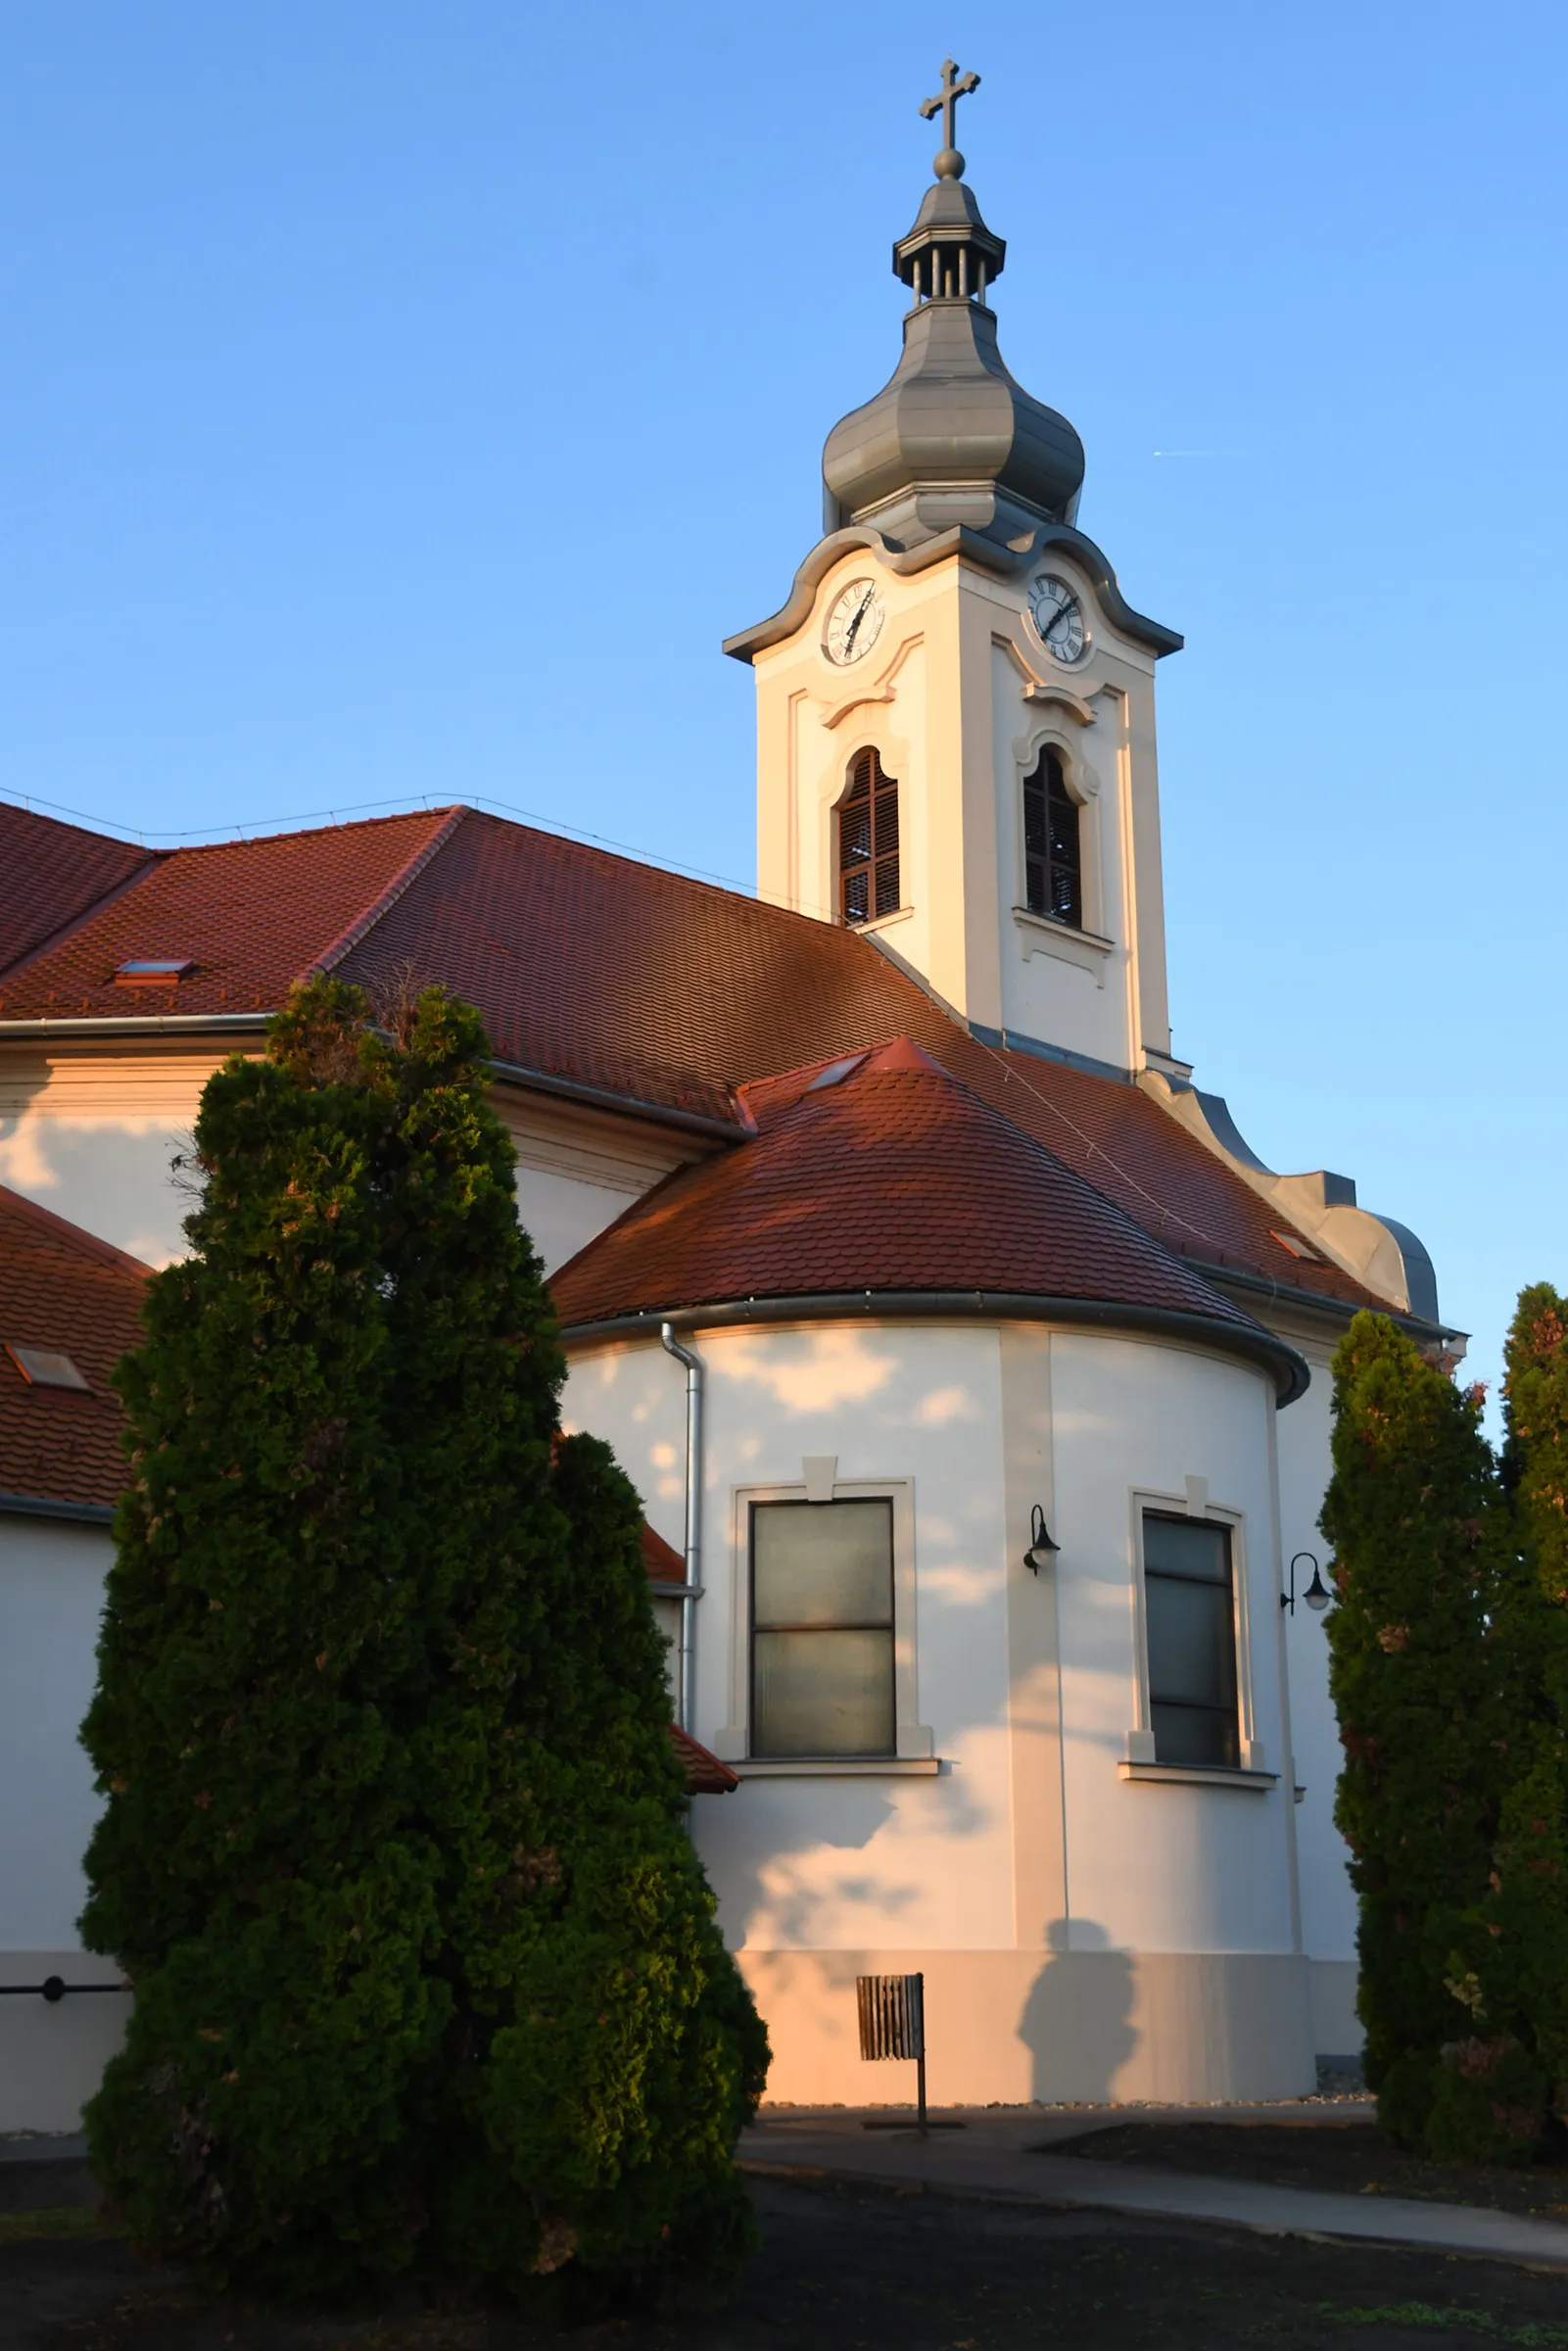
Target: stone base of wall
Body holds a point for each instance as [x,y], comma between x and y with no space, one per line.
[1012,2027]
[53,2053]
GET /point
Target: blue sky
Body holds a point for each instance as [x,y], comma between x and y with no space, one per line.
[404,400]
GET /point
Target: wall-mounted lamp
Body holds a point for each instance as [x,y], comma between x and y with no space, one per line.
[1042,1550]
[1316,1595]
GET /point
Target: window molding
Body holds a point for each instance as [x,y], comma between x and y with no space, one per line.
[914,1743]
[1192,1503]
[876,797]
[1041,935]
[1054,730]
[1200,1775]
[837,1767]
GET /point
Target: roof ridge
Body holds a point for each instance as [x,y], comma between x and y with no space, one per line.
[89,832]
[150,858]
[89,1244]
[410,871]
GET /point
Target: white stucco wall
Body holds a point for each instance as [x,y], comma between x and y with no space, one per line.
[837,1863]
[1328,1900]
[93,1135]
[1158,1868]
[955,695]
[51,1597]
[1082,1935]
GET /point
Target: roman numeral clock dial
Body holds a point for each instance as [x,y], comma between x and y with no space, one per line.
[1058,614]
[854,622]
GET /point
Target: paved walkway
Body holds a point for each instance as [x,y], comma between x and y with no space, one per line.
[995,2155]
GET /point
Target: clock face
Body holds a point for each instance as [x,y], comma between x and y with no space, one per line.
[1057,612]
[854,622]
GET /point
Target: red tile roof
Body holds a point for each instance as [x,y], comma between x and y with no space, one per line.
[50,873]
[705,1775]
[886,1177]
[663,1563]
[599,972]
[253,916]
[63,1289]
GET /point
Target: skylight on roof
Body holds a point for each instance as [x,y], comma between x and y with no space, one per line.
[166,972]
[1298,1248]
[835,1072]
[44,1367]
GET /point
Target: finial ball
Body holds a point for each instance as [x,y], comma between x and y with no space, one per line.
[948,164]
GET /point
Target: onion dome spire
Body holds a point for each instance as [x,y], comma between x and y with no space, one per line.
[951,439]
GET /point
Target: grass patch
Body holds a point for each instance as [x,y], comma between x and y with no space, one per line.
[1533,2336]
[55,2224]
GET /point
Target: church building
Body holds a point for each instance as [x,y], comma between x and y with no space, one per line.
[972,1370]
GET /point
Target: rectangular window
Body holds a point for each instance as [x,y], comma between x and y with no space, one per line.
[821,1629]
[1190,1620]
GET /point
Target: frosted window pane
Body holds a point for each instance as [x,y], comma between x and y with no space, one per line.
[821,1694]
[1192,1735]
[1187,1547]
[822,1563]
[1191,1642]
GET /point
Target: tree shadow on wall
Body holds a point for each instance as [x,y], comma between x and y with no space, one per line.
[1078,2018]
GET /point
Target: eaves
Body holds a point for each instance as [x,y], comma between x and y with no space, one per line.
[250,1024]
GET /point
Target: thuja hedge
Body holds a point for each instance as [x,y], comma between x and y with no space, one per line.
[1449,1671]
[426,1972]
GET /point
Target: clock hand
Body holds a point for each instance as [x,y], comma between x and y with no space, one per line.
[853,630]
[1064,612]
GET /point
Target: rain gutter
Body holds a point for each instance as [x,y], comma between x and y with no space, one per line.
[1342,1309]
[1287,1370]
[691,1590]
[45,1505]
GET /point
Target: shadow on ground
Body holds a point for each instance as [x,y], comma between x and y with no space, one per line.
[852,2269]
[1350,2159]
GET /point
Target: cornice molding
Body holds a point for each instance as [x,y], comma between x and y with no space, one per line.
[1006,561]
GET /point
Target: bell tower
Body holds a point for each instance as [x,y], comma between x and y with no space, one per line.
[955,706]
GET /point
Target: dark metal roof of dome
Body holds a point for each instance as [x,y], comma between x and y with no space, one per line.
[951,439]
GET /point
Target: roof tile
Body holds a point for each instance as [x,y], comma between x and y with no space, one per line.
[893,1177]
[64,1290]
[51,874]
[594,968]
[253,916]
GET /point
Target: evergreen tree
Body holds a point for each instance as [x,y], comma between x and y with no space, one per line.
[426,1971]
[1513,1961]
[1410,1513]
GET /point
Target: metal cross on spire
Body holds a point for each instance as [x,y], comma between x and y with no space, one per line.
[949,164]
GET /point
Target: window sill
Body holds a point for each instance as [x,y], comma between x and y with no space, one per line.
[1200,1775]
[882,922]
[1046,927]
[838,1767]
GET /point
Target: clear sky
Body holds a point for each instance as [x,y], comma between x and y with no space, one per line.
[404,400]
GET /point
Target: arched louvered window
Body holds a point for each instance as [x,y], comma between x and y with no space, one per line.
[1053,865]
[868,843]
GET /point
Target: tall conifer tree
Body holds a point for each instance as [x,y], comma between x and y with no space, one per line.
[1514,1959]
[1410,1514]
[426,1971]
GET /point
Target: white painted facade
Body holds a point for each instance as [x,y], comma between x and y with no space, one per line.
[92,1131]
[51,1597]
[958,697]
[1089,1927]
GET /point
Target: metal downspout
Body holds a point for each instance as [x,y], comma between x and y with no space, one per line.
[685,1659]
